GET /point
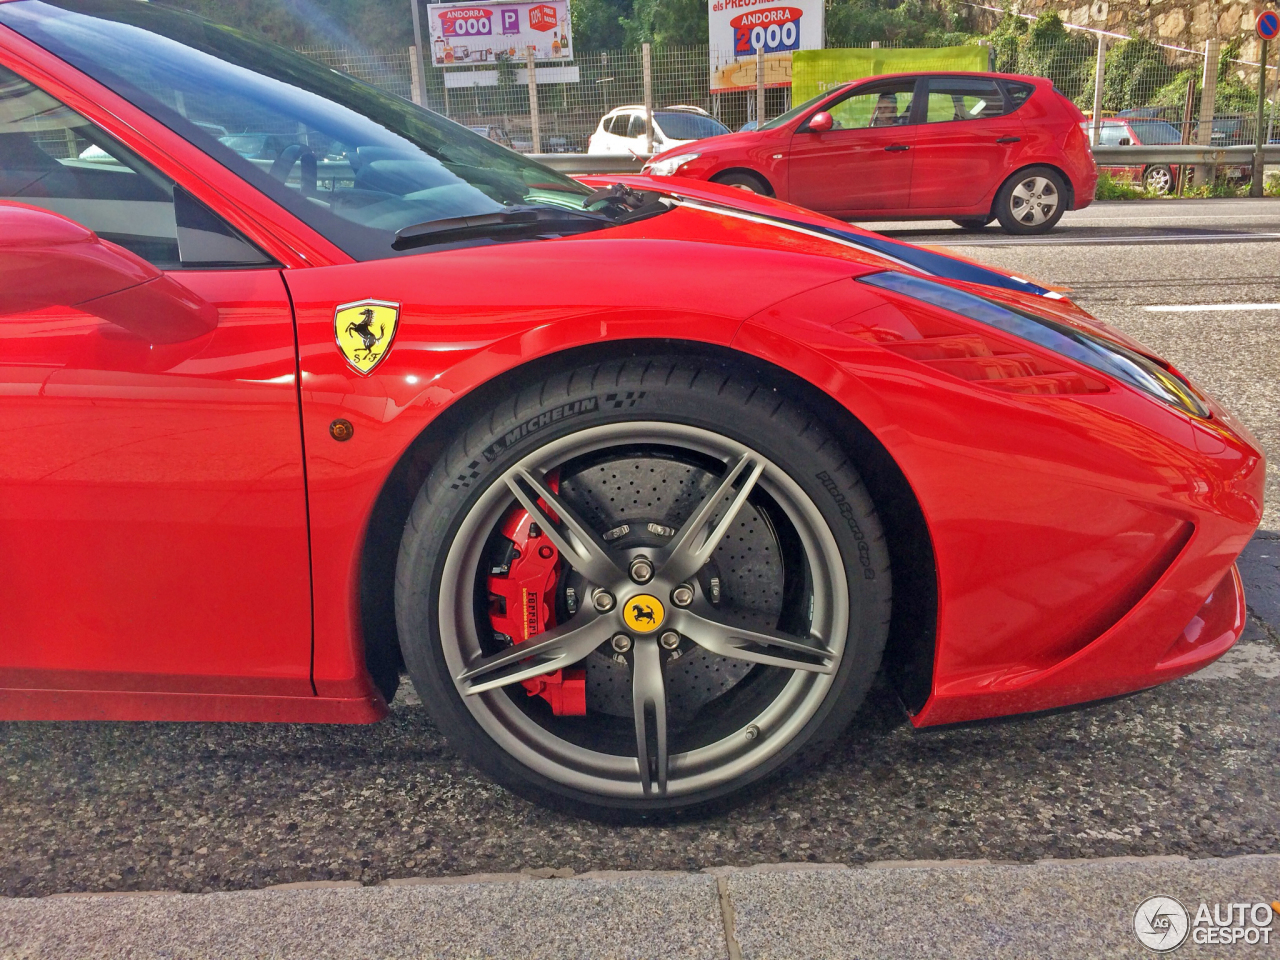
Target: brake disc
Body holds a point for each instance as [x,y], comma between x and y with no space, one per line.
[642,501]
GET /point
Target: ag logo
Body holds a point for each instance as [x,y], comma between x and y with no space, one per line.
[643,613]
[364,331]
[1161,923]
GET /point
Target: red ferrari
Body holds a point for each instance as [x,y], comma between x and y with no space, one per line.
[301,385]
[968,147]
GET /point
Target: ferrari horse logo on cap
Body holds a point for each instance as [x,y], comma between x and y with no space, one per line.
[364,331]
[643,613]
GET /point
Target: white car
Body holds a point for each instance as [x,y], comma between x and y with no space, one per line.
[622,130]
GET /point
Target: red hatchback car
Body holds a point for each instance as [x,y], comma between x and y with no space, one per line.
[275,428]
[968,147]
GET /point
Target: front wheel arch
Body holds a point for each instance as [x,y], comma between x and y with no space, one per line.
[724,177]
[909,653]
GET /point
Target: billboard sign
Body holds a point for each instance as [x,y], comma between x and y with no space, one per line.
[738,28]
[464,33]
[817,71]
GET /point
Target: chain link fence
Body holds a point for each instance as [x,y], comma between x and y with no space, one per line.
[1142,80]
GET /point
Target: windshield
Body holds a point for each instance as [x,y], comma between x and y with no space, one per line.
[688,126]
[352,161]
[796,111]
[1153,132]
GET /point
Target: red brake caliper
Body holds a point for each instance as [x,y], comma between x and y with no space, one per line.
[522,605]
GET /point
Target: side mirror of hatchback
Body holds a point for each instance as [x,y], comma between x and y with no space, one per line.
[820,122]
[48,260]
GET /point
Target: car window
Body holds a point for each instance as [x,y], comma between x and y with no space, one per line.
[687,126]
[963,98]
[1155,132]
[794,112]
[883,106]
[354,162]
[1018,93]
[1111,134]
[637,127]
[52,157]
[617,124]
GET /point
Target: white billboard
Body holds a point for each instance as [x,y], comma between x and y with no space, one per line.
[738,28]
[465,33]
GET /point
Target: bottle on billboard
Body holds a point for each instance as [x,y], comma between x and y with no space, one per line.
[555,44]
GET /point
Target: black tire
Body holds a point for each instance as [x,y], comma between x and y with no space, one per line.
[704,399]
[744,180]
[1022,201]
[1158,179]
[973,223]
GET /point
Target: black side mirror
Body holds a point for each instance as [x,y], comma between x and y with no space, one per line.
[48,260]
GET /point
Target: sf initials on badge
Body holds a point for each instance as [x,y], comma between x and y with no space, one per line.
[364,331]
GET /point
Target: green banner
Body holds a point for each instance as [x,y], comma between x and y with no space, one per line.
[817,71]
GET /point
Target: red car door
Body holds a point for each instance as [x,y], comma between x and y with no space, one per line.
[968,142]
[864,161]
[153,524]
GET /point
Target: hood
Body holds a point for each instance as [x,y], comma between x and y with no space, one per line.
[710,144]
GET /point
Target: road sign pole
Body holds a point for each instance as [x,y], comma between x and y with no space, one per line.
[421,72]
[1255,188]
[1099,73]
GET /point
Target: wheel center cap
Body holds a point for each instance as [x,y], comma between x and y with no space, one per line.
[643,613]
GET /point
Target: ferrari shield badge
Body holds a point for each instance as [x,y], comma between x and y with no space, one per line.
[364,331]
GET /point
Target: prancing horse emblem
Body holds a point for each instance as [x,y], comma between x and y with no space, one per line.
[364,331]
[642,614]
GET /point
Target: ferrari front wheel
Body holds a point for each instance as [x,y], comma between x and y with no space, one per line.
[643,588]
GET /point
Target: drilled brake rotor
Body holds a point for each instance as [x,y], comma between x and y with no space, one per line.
[640,501]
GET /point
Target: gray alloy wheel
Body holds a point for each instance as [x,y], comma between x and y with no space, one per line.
[1031,201]
[1158,179]
[707,593]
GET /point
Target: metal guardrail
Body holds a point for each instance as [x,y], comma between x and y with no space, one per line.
[1106,156]
[1109,156]
[587,163]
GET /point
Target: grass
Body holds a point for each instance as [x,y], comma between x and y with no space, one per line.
[1111,188]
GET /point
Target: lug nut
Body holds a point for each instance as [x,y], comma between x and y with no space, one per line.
[669,640]
[641,570]
[682,595]
[752,732]
[602,600]
[620,642]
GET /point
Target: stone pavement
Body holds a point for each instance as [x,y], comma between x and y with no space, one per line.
[955,909]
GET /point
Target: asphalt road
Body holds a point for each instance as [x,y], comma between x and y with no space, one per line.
[1191,768]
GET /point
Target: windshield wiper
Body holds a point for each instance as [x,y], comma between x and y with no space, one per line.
[514,221]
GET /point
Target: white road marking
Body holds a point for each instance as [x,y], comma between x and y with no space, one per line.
[1049,241]
[1203,307]
[1259,658]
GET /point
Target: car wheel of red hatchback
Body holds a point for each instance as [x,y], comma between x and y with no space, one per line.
[744,180]
[1031,201]
[643,589]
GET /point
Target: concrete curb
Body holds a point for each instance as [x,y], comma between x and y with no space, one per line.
[891,909]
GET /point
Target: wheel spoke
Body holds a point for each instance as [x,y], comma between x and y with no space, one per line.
[649,703]
[756,646]
[692,547]
[558,647]
[1024,191]
[581,548]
